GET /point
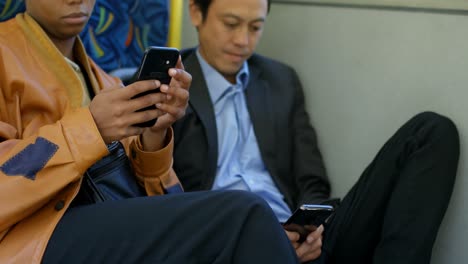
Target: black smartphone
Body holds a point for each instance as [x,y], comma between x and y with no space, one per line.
[155,65]
[308,215]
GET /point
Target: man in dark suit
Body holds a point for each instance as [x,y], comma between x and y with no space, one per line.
[247,128]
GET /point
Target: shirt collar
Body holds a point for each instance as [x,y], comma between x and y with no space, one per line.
[216,82]
[73,64]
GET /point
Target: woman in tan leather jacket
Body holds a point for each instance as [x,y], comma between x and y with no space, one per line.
[52,130]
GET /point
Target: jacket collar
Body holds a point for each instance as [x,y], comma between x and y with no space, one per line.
[38,38]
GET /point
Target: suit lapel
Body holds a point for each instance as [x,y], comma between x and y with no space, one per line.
[260,105]
[200,102]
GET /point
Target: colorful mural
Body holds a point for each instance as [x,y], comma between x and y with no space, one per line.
[9,8]
[118,31]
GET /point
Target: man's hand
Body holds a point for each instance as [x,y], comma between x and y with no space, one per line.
[174,106]
[115,109]
[311,248]
[115,112]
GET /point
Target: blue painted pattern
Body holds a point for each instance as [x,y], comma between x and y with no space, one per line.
[30,160]
[9,8]
[118,31]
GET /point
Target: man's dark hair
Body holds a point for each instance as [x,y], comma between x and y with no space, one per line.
[205,4]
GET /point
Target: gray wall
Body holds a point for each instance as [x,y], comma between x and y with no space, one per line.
[367,71]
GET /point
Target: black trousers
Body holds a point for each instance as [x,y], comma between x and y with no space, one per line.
[392,214]
[199,227]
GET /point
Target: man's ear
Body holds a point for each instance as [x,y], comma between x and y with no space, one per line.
[196,16]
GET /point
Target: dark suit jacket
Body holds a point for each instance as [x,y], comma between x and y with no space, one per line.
[286,139]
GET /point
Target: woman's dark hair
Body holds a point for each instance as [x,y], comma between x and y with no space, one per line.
[205,4]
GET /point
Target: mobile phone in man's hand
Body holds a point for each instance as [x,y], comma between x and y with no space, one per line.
[155,65]
[306,215]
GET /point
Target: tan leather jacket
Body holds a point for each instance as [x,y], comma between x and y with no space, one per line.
[47,140]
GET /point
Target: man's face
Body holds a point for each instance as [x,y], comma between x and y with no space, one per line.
[61,19]
[229,33]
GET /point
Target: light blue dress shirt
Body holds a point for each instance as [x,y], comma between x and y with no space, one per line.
[240,165]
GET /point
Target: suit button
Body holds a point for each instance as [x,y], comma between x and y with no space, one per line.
[59,205]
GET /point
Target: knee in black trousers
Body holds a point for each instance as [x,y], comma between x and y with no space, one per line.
[436,127]
[199,227]
[392,214]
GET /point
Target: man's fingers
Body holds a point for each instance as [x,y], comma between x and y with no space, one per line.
[180,94]
[138,88]
[306,250]
[175,111]
[311,248]
[148,99]
[315,234]
[311,255]
[180,78]
[292,236]
[143,116]
[180,64]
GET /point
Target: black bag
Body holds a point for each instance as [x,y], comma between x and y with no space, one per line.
[110,178]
